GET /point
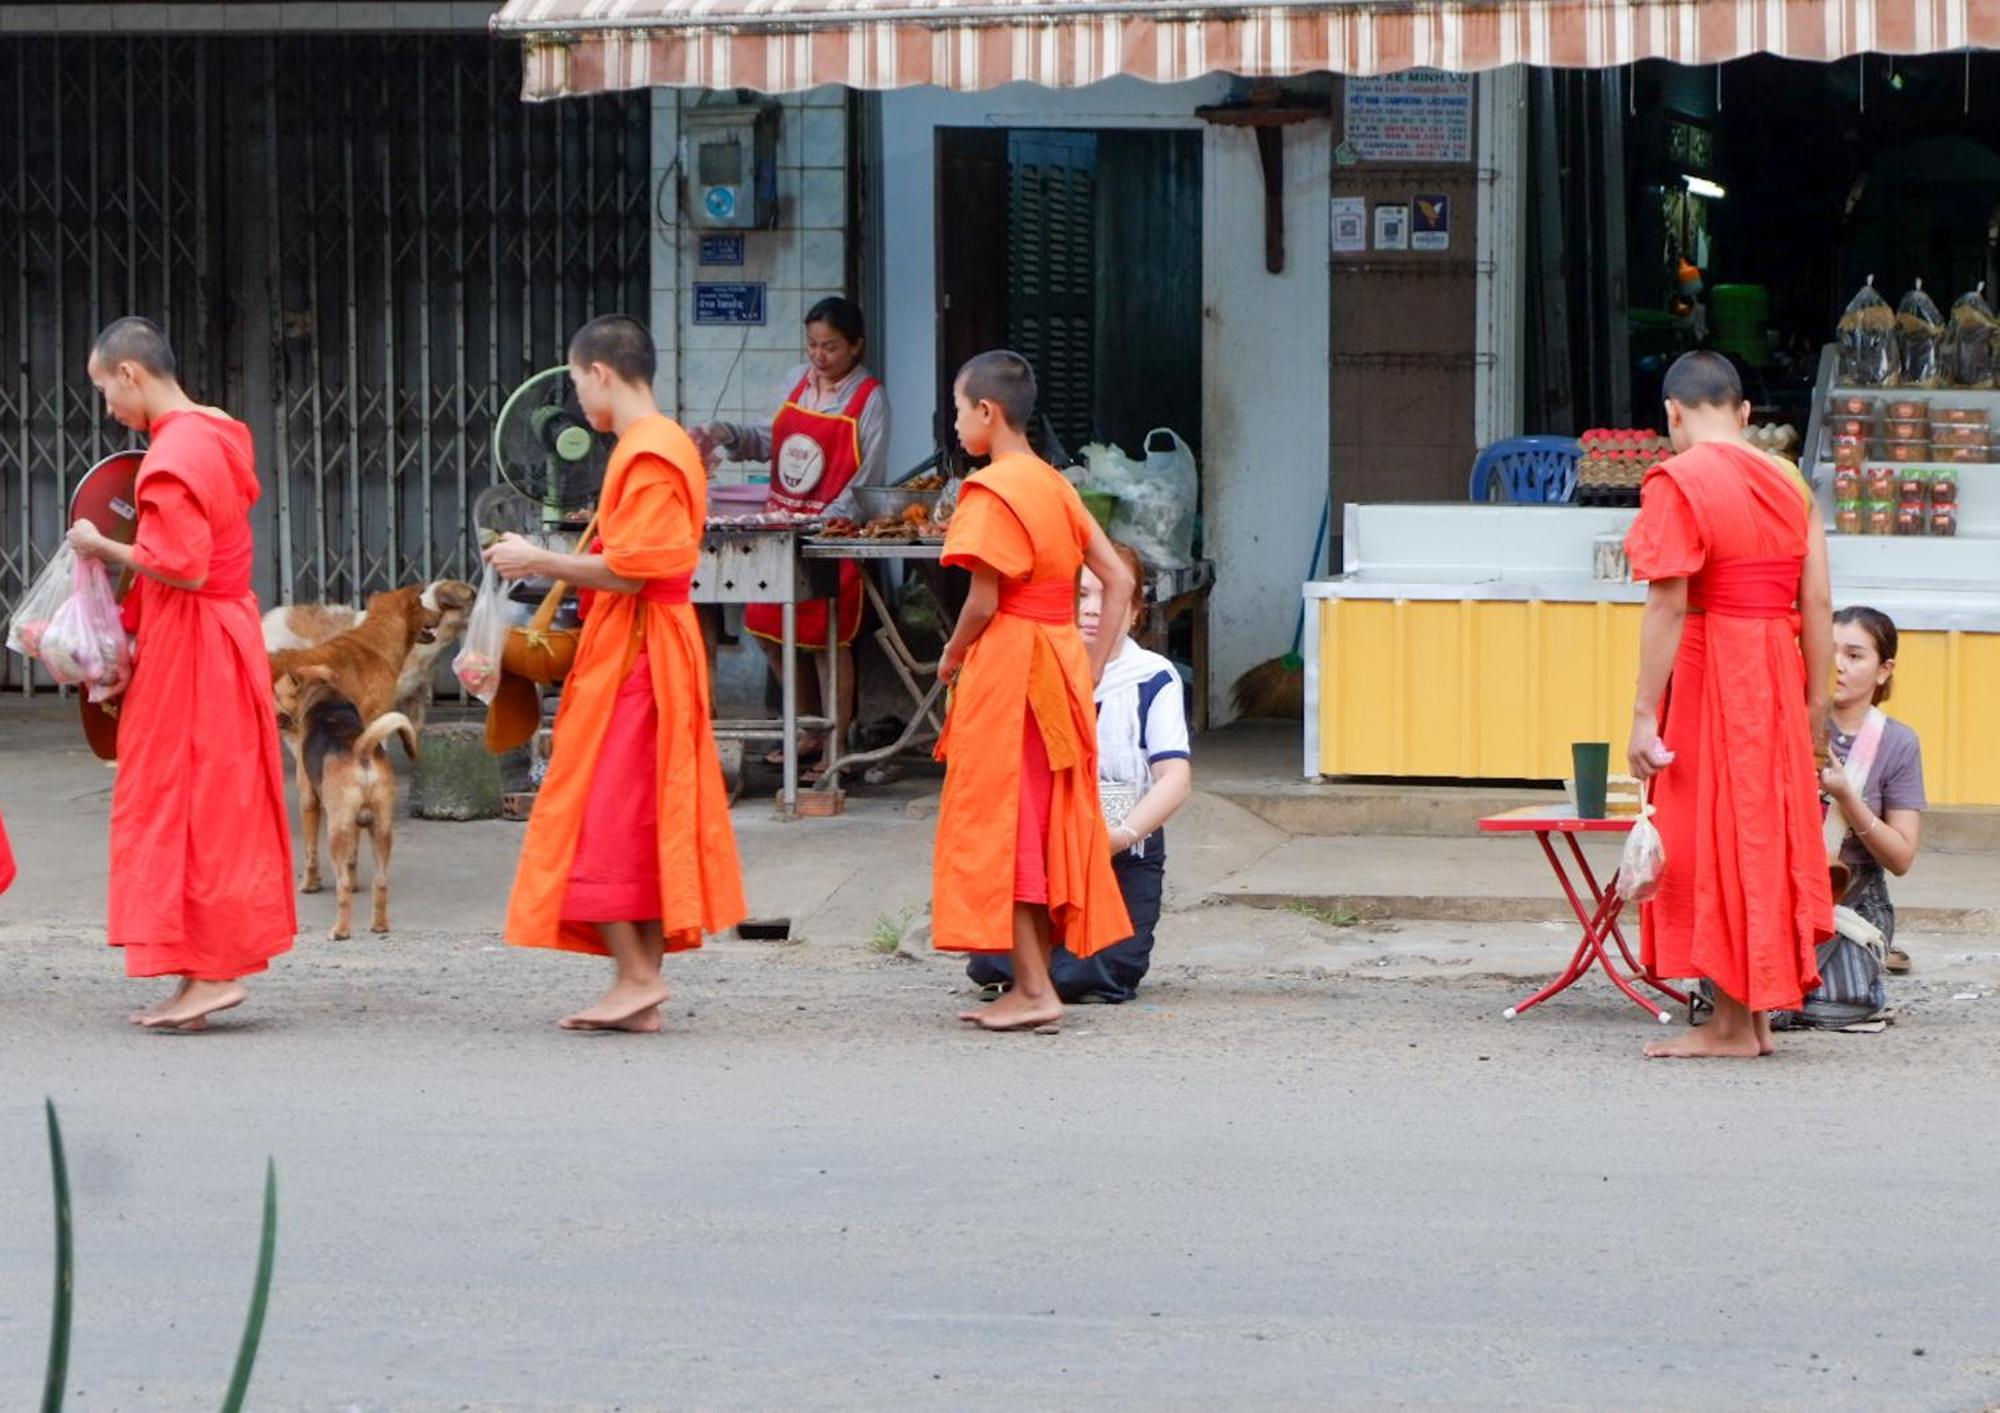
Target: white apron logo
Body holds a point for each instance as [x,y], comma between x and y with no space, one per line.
[801,464]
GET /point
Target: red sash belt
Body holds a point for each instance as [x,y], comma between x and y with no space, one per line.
[1041,601]
[671,592]
[1747,588]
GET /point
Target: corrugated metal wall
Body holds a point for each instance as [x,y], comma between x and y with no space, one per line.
[359,244]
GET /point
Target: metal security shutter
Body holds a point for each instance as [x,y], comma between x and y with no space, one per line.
[358,244]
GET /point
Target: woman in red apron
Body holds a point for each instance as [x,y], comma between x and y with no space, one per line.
[831,435]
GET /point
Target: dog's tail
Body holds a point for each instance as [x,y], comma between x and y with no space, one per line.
[389,723]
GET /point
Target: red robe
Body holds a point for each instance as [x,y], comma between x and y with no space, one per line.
[1020,742]
[632,821]
[1744,900]
[6,860]
[201,849]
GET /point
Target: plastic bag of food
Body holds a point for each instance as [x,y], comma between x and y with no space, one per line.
[84,644]
[1644,860]
[1157,497]
[477,665]
[1867,335]
[47,594]
[1969,340]
[1920,332]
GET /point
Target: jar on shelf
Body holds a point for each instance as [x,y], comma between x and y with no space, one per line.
[1913,487]
[1911,517]
[1906,408]
[1878,518]
[1878,484]
[1960,416]
[1863,427]
[1847,484]
[1903,453]
[1907,429]
[1849,451]
[1944,488]
[1944,520]
[1851,405]
[1847,517]
[1958,433]
[1964,455]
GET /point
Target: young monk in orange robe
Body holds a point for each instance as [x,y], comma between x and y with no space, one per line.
[1023,859]
[629,852]
[201,850]
[1739,616]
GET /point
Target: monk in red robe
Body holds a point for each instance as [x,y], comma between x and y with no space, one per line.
[201,850]
[6,860]
[1735,671]
[1023,859]
[629,852]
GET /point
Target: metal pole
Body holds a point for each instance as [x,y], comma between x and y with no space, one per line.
[94,268]
[423,199]
[352,393]
[788,616]
[274,303]
[313,227]
[23,384]
[392,541]
[458,279]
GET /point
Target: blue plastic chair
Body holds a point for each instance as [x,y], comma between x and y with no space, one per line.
[1527,471]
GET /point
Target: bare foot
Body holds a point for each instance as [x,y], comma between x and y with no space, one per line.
[202,999]
[1766,1043]
[1015,1011]
[625,1001]
[140,1017]
[1707,1043]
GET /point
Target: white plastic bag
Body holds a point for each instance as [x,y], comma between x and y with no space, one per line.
[85,645]
[477,665]
[1644,859]
[1157,498]
[38,606]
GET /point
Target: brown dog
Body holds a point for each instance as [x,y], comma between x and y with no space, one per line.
[346,781]
[366,662]
[309,625]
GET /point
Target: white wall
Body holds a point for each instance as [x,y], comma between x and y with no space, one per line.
[1264,352]
[739,374]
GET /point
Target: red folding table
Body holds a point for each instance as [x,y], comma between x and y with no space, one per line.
[1600,920]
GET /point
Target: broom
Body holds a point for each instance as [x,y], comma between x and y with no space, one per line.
[1276,689]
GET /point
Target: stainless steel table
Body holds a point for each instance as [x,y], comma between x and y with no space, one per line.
[758,564]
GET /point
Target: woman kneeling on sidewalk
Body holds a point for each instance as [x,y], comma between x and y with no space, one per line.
[1875,783]
[1144,775]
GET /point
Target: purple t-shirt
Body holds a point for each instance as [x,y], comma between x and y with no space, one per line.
[1896,781]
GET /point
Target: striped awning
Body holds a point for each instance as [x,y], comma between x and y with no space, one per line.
[780,46]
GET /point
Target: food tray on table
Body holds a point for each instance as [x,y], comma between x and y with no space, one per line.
[767,520]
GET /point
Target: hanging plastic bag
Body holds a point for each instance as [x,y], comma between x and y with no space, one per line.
[1920,333]
[1157,498]
[38,606]
[1644,859]
[84,644]
[1969,340]
[1868,353]
[477,665]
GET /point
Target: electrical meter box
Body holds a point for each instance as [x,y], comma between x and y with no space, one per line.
[733,165]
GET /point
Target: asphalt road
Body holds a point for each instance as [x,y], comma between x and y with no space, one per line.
[816,1191]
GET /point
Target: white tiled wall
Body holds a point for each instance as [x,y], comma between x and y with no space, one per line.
[739,374]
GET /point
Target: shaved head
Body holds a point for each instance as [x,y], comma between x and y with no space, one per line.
[1004,379]
[136,340]
[1704,379]
[621,343]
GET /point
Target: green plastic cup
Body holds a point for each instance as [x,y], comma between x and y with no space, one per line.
[1592,762]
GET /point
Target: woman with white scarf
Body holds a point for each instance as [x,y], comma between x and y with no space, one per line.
[1144,774]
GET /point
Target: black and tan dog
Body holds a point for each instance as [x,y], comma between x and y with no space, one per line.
[346,783]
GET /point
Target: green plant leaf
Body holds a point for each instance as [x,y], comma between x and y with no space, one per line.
[58,1370]
[260,1295]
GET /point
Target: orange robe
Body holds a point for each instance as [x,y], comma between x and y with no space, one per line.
[201,848]
[1028,669]
[650,517]
[1744,899]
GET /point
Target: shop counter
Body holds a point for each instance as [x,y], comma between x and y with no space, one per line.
[1473,642]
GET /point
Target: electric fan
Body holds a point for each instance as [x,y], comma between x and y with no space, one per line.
[545,449]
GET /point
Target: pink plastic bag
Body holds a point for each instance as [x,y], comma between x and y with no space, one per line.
[85,645]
